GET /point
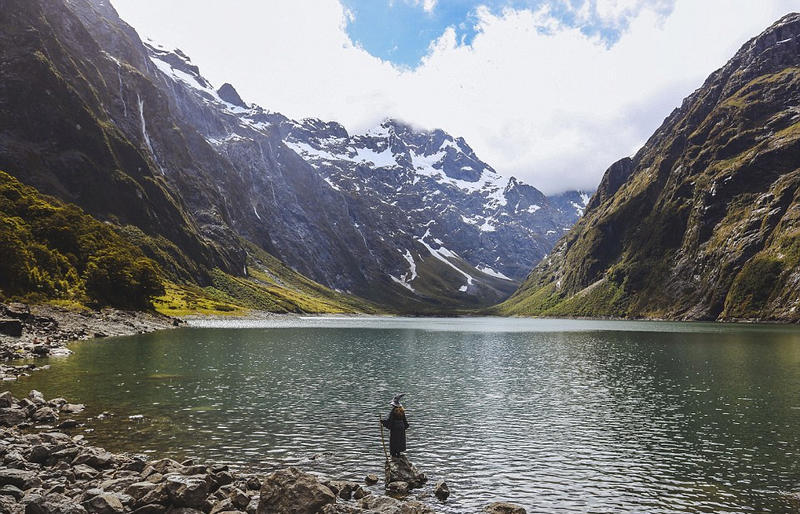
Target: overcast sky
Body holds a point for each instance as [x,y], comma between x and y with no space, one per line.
[549,91]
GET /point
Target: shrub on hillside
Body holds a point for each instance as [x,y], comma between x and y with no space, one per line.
[53,250]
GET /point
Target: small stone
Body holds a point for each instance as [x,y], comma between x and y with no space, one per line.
[400,469]
[58,488]
[36,397]
[155,478]
[253,484]
[223,478]
[137,464]
[156,495]
[291,490]
[441,490]
[45,415]
[184,491]
[14,459]
[66,454]
[13,491]
[342,489]
[165,466]
[104,504]
[84,472]
[12,416]
[19,478]
[138,489]
[504,508]
[239,499]
[225,505]
[116,485]
[360,492]
[91,493]
[67,423]
[39,454]
[397,488]
[40,350]
[72,408]
[6,400]
[94,457]
[371,479]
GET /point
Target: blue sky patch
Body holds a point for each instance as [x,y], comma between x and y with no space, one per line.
[401,31]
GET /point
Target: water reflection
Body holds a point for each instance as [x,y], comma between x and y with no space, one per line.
[555,415]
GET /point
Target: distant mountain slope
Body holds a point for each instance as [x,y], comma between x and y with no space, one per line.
[704,221]
[405,217]
[430,182]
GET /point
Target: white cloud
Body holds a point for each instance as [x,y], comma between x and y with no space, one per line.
[429,5]
[553,107]
[616,12]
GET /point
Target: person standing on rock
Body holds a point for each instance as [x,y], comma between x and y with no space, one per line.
[397,425]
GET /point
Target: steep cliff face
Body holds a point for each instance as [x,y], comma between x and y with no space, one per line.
[84,126]
[704,221]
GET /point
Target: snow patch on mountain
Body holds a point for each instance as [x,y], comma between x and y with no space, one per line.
[489,271]
[412,265]
[383,159]
[442,254]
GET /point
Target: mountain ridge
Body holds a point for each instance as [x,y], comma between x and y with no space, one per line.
[702,223]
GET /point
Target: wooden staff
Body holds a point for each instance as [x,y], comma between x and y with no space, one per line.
[383,440]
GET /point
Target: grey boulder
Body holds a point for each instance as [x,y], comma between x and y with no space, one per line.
[291,491]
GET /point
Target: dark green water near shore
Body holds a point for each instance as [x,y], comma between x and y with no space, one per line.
[556,415]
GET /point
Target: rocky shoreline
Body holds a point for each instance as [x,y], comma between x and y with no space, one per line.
[29,331]
[47,471]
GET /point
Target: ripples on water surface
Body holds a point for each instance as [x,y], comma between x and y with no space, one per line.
[555,415]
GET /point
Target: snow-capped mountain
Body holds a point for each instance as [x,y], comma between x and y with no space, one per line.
[417,208]
[498,225]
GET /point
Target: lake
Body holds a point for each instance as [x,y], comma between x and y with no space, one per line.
[556,415]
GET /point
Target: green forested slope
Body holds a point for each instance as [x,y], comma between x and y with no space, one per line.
[52,250]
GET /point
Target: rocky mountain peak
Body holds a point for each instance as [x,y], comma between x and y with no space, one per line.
[176,63]
[777,46]
[612,180]
[774,49]
[228,93]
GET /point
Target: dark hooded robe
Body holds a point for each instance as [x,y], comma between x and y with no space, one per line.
[397,425]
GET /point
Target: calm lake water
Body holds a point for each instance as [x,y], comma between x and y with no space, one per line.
[556,415]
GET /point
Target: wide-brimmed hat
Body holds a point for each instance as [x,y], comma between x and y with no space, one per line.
[396,400]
